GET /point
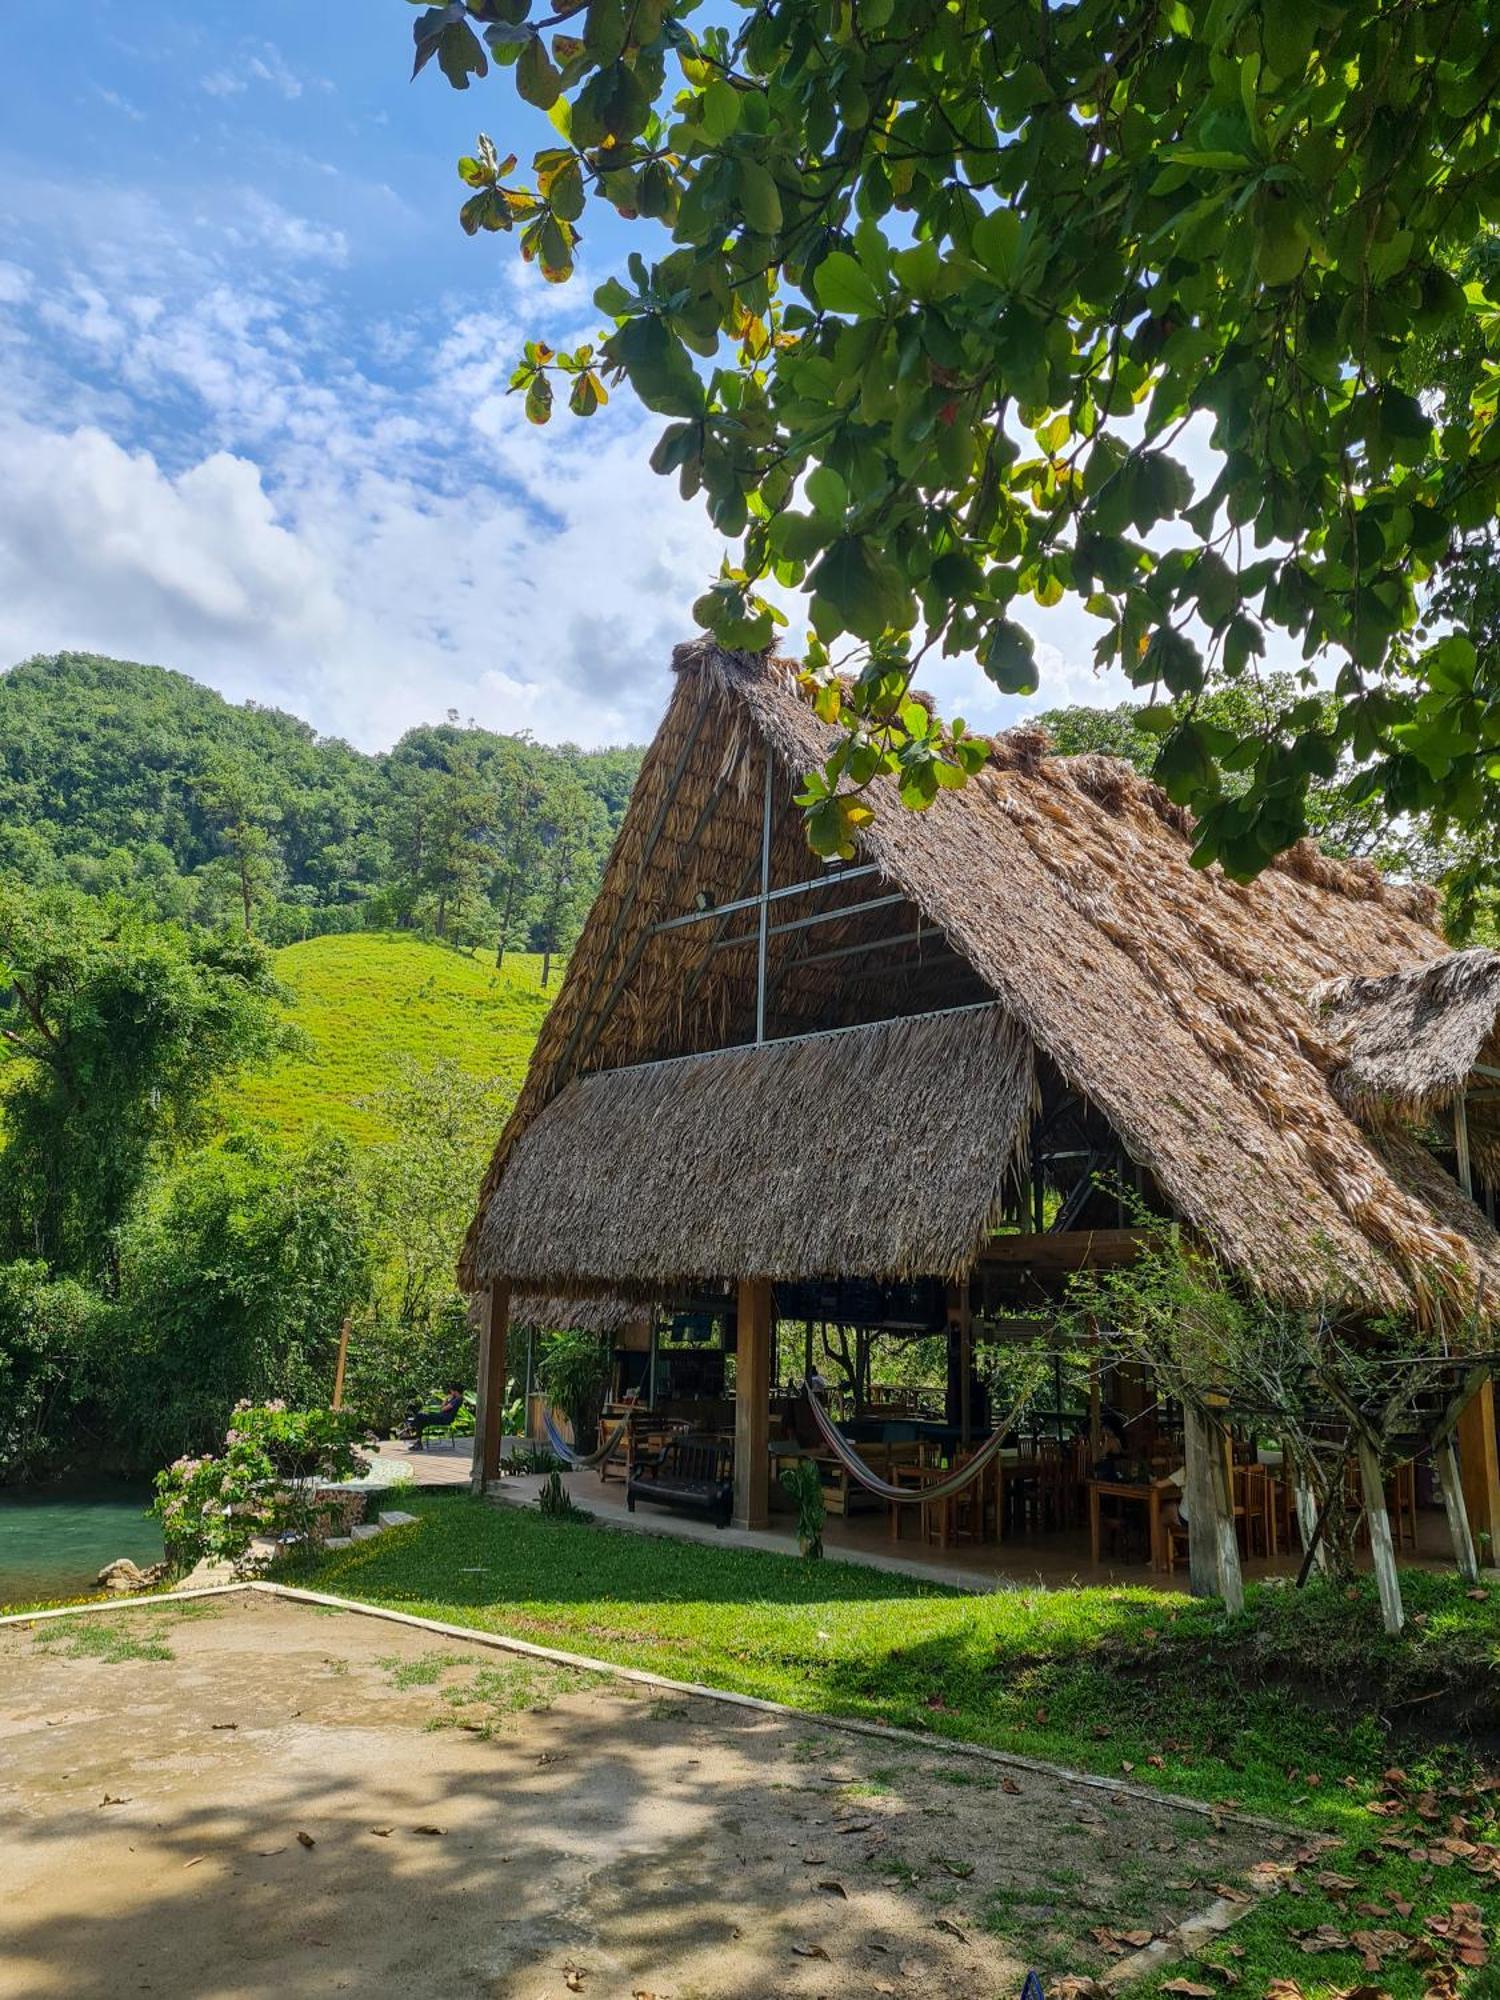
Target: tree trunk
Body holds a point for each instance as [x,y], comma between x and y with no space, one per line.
[546,963]
[1382,1552]
[1457,1510]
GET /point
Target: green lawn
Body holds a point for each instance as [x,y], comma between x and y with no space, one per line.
[365,999]
[1287,1711]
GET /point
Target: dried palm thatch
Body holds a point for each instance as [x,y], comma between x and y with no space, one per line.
[1171,997]
[878,1150]
[1409,1042]
[602,1313]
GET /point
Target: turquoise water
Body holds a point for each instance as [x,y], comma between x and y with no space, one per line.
[53,1544]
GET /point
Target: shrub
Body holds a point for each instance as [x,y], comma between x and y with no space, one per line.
[45,1326]
[266,1481]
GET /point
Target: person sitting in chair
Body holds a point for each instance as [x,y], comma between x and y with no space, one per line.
[418,1421]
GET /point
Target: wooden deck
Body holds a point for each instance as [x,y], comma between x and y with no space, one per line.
[1055,1561]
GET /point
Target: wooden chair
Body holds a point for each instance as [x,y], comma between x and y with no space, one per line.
[1253,1518]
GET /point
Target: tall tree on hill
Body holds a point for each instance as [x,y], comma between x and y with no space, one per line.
[571,829]
[113,1034]
[237,805]
[517,844]
[458,850]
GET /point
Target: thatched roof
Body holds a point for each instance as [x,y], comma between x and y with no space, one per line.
[1175,999]
[1410,1041]
[602,1312]
[878,1150]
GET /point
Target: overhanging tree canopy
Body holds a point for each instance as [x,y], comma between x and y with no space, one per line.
[949,278]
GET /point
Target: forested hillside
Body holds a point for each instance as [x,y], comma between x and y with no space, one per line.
[121,777]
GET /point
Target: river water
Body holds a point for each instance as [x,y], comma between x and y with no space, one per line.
[54,1542]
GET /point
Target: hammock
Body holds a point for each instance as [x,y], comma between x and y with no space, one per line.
[579,1461]
[908,1496]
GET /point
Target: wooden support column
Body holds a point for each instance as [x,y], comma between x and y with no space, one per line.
[752,1405]
[494,1329]
[965,1366]
[1382,1549]
[1213,1552]
[1481,1470]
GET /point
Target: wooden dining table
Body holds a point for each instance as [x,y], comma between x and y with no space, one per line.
[1152,1494]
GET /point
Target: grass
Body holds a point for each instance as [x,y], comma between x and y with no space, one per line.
[365,999]
[1297,1710]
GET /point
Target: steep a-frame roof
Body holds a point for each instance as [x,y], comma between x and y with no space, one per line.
[1177,1001]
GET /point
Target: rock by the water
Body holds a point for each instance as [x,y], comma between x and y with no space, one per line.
[123,1576]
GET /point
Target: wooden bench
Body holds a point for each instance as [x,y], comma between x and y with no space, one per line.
[693,1473]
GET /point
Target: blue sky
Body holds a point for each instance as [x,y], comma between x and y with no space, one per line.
[252,406]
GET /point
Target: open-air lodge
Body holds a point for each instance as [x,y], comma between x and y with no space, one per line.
[917,1090]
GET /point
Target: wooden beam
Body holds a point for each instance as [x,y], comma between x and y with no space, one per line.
[1461,1146]
[1481,1469]
[1382,1549]
[806,888]
[966,1362]
[752,1404]
[494,1329]
[1064,1250]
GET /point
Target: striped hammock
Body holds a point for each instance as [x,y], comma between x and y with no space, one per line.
[908,1496]
[577,1461]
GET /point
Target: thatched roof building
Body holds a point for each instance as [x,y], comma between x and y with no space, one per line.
[1043,923]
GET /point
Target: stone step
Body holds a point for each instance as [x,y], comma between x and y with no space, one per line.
[392,1517]
[364,1531]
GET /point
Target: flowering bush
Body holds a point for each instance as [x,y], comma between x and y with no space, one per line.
[267,1481]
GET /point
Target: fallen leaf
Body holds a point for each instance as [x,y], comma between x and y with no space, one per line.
[809,1951]
[305,1839]
[944,1924]
[1188,1989]
[573,1978]
[1324,1938]
[1009,1785]
[110,1799]
[832,1888]
[1376,1946]
[433,1830]
[224,1725]
[1283,1989]
[193,1863]
[265,1853]
[1478,1596]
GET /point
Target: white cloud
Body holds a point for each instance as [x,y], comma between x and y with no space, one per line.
[257,62]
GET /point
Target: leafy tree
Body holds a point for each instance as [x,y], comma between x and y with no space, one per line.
[245,817]
[234,1281]
[946,285]
[113,1033]
[44,1337]
[421,1183]
[517,845]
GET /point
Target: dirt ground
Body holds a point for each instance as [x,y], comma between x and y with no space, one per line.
[250,1799]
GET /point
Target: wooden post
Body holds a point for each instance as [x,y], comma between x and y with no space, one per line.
[490,1411]
[338,1366]
[752,1405]
[1213,1552]
[1382,1551]
[965,1366]
[1456,1508]
[1481,1471]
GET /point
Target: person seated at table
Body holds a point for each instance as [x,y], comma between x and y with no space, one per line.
[1110,1463]
[438,1419]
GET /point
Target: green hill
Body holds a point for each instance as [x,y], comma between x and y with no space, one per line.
[365,999]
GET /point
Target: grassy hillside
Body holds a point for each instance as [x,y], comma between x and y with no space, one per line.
[365,999]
